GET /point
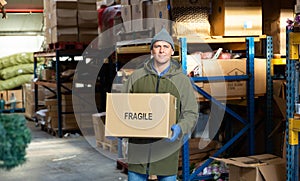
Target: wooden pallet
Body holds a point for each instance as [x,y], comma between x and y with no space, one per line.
[107,146]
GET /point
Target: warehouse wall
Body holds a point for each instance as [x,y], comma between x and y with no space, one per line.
[16,44]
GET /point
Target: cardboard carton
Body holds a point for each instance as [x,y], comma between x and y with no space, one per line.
[265,167]
[236,18]
[88,19]
[64,17]
[140,115]
[227,67]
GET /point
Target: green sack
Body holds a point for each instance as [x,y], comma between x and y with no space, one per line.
[15,82]
[16,59]
[17,70]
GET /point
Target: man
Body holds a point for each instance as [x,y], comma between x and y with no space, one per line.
[161,74]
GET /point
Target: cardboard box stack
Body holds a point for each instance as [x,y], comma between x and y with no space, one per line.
[87,20]
[29,94]
[70,21]
[68,119]
[139,15]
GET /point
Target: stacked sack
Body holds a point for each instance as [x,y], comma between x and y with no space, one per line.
[15,70]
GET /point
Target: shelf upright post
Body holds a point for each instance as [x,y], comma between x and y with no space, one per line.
[58,94]
[185,148]
[292,56]
[269,87]
[250,92]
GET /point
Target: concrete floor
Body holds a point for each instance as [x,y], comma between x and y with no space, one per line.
[70,158]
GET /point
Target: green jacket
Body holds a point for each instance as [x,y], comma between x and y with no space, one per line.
[158,155]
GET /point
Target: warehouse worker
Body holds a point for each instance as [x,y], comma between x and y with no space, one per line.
[161,74]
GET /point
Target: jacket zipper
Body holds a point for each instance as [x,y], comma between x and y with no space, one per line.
[157,83]
[149,153]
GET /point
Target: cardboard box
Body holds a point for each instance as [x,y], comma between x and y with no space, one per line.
[126,17]
[98,124]
[140,115]
[63,4]
[137,17]
[64,17]
[125,2]
[64,34]
[87,35]
[87,5]
[228,67]
[256,168]
[161,12]
[236,18]
[88,19]
[47,74]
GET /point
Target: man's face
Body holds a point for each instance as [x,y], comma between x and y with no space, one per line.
[162,52]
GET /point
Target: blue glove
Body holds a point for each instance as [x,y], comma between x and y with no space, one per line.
[176,132]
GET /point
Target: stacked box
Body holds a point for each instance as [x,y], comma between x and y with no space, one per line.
[87,20]
[144,16]
[47,21]
[68,119]
[64,21]
[70,21]
[29,98]
[126,17]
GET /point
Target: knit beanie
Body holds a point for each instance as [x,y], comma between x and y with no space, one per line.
[163,35]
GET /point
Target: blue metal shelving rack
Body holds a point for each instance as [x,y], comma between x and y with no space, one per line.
[292,83]
[248,124]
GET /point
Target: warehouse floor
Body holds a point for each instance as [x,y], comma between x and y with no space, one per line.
[70,158]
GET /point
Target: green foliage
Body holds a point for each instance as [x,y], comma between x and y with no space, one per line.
[14,139]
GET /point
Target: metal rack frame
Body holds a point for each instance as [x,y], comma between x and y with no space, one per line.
[57,85]
[248,124]
[292,96]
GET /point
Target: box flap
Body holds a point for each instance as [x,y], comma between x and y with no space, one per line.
[241,162]
[252,161]
[273,172]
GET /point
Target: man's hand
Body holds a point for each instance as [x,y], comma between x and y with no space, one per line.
[176,132]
